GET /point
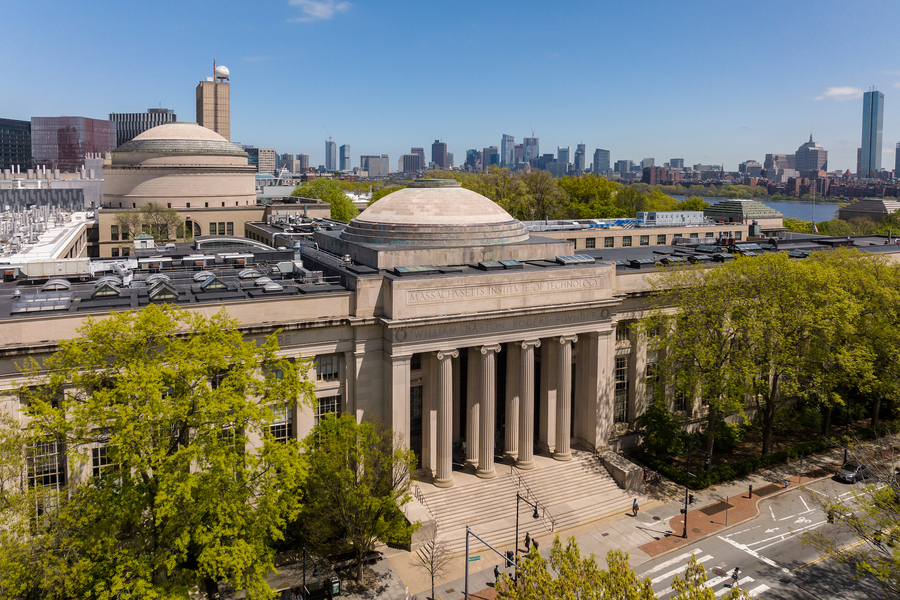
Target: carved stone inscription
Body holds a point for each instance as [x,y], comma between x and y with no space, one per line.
[528,324]
[428,296]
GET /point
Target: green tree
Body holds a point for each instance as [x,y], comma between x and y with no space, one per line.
[693,203]
[543,198]
[660,430]
[359,476]
[871,513]
[173,399]
[589,197]
[164,224]
[657,200]
[567,574]
[332,192]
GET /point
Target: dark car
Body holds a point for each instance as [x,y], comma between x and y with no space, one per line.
[853,471]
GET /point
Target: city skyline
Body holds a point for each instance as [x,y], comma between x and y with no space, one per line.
[688,86]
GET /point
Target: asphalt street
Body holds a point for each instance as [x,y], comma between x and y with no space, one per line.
[771,555]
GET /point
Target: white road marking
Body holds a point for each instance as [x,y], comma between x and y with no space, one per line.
[755,554]
[804,504]
[741,582]
[783,536]
[680,569]
[793,533]
[797,515]
[670,562]
[773,513]
[773,529]
[758,590]
[710,583]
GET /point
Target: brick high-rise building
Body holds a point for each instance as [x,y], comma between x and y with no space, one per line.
[439,155]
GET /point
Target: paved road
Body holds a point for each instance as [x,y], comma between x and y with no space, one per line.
[773,561]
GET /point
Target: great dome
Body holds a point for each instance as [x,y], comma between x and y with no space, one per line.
[435,213]
[176,138]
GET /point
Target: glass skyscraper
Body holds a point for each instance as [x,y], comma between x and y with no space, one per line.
[872,122]
[64,142]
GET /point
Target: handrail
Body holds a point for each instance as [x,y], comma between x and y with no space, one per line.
[530,497]
[421,498]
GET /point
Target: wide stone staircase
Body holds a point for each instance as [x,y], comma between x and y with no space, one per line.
[567,494]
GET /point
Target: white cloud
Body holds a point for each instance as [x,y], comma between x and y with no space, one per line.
[318,10]
[841,93]
[897,84]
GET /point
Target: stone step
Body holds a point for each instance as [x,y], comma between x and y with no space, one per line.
[572,492]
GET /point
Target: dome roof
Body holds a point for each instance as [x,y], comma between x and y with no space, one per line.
[180,137]
[435,213]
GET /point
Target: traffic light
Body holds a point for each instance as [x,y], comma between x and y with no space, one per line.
[510,559]
[690,498]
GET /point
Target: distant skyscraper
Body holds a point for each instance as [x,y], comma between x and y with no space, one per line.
[811,156]
[580,158]
[346,162]
[450,163]
[490,156]
[624,166]
[385,165]
[676,163]
[518,154]
[130,125]
[648,162]
[601,162]
[268,160]
[897,162]
[421,153]
[439,155]
[331,163]
[562,154]
[412,162]
[214,102]
[375,165]
[507,151]
[285,160]
[64,142]
[15,144]
[532,150]
[303,159]
[872,121]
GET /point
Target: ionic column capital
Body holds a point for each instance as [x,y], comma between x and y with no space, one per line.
[490,348]
[531,343]
[444,354]
[567,339]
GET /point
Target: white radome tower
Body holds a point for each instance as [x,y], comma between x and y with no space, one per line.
[222,72]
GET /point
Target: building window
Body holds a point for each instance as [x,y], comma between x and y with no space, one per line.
[651,380]
[328,405]
[221,228]
[212,229]
[574,242]
[415,363]
[590,242]
[661,239]
[99,460]
[609,242]
[327,367]
[695,235]
[677,235]
[126,251]
[645,240]
[47,465]
[620,409]
[622,331]
[282,427]
[680,402]
[114,233]
[709,234]
[114,252]
[229,228]
[626,241]
[737,235]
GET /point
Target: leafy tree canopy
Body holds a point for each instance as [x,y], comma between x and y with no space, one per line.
[175,400]
[332,192]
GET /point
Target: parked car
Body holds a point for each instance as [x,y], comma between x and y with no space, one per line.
[853,471]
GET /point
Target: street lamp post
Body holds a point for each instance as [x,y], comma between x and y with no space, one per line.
[506,557]
[687,478]
[315,571]
[535,516]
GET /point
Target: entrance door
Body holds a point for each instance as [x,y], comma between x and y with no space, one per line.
[415,423]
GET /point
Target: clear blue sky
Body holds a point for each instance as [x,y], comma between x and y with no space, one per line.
[711,82]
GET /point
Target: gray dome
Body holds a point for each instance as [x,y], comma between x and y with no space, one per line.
[435,213]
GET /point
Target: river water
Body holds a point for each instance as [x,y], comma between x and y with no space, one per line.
[797,210]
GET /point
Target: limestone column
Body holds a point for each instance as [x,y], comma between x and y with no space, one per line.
[525,459]
[473,405]
[564,398]
[444,471]
[513,387]
[488,411]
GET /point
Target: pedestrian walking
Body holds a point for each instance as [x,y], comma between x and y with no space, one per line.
[496,574]
[527,542]
[735,577]
[634,507]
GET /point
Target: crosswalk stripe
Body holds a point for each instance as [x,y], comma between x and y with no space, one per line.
[702,559]
[670,562]
[710,583]
[758,590]
[741,582]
